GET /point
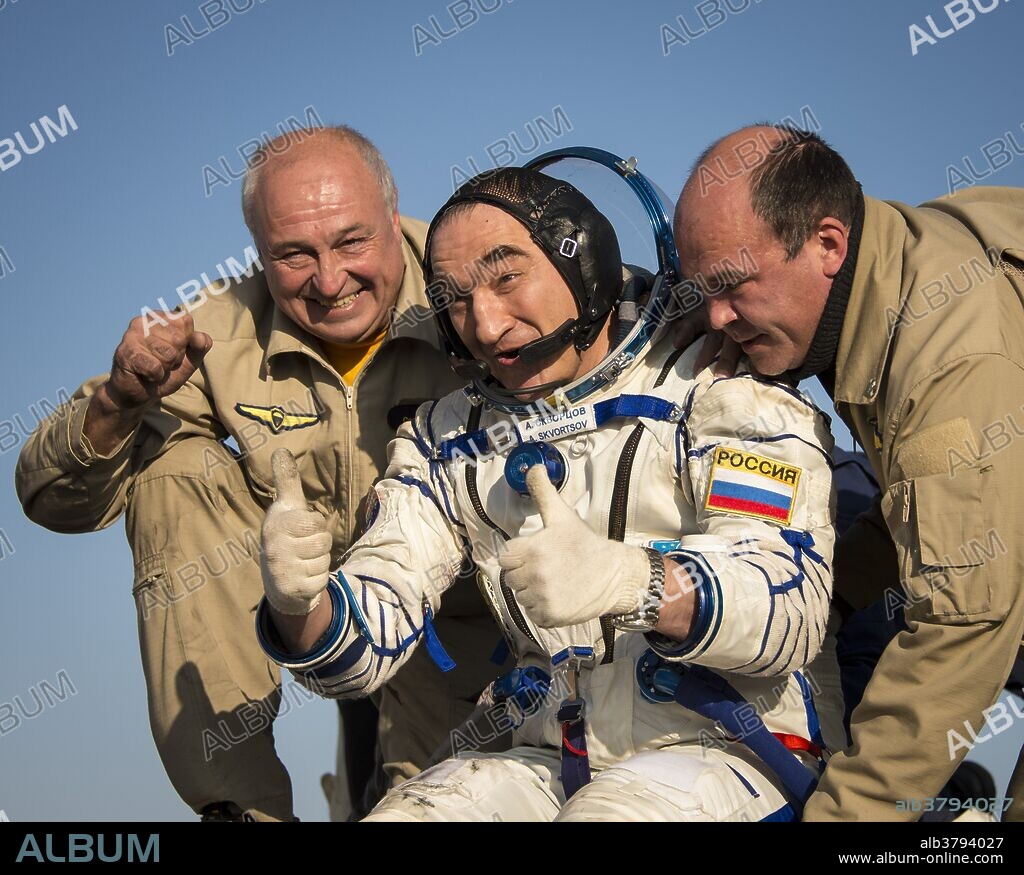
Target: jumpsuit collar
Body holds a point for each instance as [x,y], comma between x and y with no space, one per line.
[876,297]
[821,356]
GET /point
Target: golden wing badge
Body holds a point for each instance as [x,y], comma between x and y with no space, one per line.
[277,418]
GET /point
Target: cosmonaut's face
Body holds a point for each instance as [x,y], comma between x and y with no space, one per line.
[331,248]
[507,293]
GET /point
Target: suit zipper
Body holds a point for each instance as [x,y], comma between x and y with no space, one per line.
[350,398]
[617,521]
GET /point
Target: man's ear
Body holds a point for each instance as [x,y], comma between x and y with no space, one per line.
[833,239]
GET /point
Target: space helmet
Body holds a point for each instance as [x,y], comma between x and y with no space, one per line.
[582,244]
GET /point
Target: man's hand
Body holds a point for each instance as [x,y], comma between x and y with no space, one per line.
[688,327]
[149,364]
[567,573]
[296,544]
[717,343]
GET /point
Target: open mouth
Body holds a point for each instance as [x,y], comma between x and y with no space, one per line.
[507,358]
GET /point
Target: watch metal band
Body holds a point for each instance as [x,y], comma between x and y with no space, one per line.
[645,618]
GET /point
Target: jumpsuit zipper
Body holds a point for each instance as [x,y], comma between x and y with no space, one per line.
[350,397]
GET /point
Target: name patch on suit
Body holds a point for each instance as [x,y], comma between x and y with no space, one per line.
[751,485]
[570,420]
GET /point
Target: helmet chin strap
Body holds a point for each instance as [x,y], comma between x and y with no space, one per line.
[556,341]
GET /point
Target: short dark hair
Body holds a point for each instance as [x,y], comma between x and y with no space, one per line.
[801,181]
[446,217]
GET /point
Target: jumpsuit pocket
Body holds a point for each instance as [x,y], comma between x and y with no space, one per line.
[149,585]
[944,546]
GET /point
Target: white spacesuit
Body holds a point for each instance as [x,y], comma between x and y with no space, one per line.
[731,478]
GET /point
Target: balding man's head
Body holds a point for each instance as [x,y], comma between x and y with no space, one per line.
[761,227]
[727,162]
[340,141]
[321,205]
[790,178]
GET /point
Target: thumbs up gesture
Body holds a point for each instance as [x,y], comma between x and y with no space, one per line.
[567,573]
[296,544]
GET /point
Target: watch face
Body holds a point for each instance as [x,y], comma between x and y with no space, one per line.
[636,622]
[639,629]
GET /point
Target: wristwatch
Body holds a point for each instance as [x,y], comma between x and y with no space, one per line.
[645,618]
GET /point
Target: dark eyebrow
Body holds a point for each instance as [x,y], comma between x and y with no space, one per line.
[504,252]
[494,260]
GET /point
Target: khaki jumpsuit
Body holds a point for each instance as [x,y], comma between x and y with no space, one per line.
[930,380]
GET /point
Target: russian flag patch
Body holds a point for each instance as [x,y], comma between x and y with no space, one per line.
[750,485]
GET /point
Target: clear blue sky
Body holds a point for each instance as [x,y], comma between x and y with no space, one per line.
[107,219]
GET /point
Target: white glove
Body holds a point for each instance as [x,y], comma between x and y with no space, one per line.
[296,544]
[567,573]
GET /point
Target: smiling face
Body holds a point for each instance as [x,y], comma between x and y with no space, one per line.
[331,248]
[506,294]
